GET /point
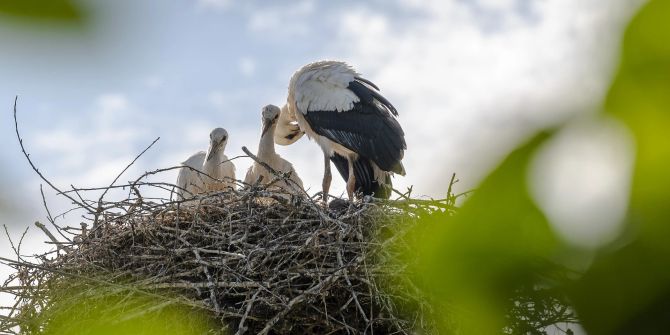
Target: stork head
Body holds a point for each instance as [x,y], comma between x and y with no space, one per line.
[270,114]
[217,141]
[288,131]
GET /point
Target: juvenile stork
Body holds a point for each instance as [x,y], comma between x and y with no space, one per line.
[352,122]
[194,176]
[189,180]
[216,164]
[267,154]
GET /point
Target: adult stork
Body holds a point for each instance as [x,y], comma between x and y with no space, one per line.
[355,126]
[267,154]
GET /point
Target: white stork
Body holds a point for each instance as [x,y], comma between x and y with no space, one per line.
[217,165]
[353,123]
[189,180]
[193,176]
[267,154]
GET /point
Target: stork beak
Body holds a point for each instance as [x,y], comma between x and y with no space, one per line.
[212,150]
[266,126]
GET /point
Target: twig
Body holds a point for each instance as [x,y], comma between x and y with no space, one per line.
[53,239]
[16,249]
[32,165]
[127,167]
[100,209]
[241,329]
[297,300]
[49,217]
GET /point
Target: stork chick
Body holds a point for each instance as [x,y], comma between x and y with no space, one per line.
[189,180]
[216,164]
[266,153]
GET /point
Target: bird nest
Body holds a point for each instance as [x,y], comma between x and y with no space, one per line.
[253,260]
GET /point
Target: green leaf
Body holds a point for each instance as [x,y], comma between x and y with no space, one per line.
[106,310]
[640,97]
[499,242]
[59,10]
[627,290]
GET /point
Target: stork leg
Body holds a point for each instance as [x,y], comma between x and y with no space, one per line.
[327,178]
[351,181]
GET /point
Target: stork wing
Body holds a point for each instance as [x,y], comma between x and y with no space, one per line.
[355,115]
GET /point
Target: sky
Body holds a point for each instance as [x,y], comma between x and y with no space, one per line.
[470,79]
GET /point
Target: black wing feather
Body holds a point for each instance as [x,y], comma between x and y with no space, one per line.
[367,82]
[368,95]
[369,128]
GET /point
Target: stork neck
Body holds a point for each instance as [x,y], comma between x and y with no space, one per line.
[267,144]
[210,166]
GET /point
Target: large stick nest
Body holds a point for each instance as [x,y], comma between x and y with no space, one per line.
[260,261]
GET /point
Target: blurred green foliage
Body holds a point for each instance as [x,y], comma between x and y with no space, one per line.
[476,263]
[58,10]
[497,245]
[101,311]
[627,290]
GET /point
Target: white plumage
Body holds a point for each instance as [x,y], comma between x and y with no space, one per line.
[189,180]
[204,172]
[219,171]
[266,153]
[323,87]
[352,122]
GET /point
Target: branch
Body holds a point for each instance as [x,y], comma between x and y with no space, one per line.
[294,186]
[99,210]
[53,239]
[32,165]
[127,167]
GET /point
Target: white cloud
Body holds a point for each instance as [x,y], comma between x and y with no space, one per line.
[112,102]
[467,94]
[153,81]
[214,4]
[247,66]
[286,19]
[499,5]
[91,151]
[218,99]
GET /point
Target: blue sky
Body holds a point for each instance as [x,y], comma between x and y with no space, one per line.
[471,79]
